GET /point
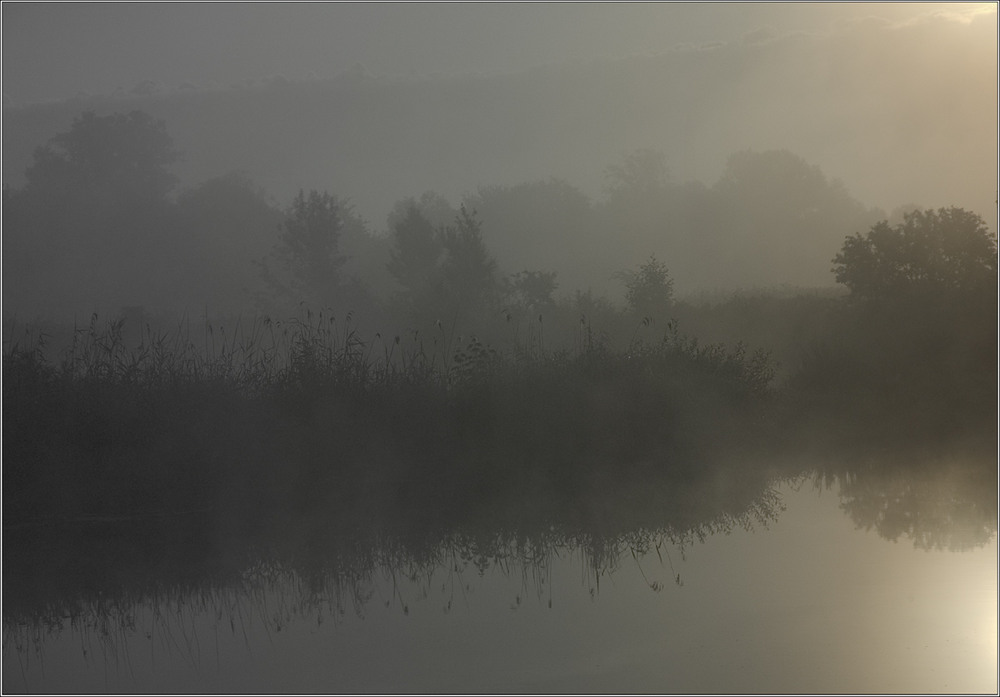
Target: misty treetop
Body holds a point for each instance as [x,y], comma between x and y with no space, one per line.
[469,267]
[445,273]
[416,250]
[642,173]
[650,290]
[95,217]
[430,204]
[307,252]
[127,156]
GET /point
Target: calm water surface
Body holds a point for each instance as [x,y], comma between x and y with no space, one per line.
[811,602]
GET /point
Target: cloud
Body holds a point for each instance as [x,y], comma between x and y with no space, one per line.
[960,13]
[760,36]
[867,23]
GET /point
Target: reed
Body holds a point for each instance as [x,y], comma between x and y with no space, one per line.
[260,417]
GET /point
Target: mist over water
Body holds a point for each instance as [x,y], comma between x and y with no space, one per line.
[500,348]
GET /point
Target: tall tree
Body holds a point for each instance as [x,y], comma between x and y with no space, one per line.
[307,254]
[225,225]
[107,160]
[91,227]
[930,253]
[922,323]
[416,250]
[468,271]
[447,274]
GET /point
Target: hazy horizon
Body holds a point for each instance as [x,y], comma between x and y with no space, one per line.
[893,104]
[55,51]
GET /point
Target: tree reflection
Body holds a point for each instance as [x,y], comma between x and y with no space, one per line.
[939,504]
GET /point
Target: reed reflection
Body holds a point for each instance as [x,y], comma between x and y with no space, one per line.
[62,572]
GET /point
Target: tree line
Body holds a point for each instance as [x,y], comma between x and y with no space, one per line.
[102,223]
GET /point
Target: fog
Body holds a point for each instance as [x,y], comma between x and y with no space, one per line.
[55,52]
[325,311]
[894,103]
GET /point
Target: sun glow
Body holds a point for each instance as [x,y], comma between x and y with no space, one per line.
[962,12]
[989,640]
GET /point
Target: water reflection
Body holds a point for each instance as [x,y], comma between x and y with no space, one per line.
[59,570]
[937,502]
[148,597]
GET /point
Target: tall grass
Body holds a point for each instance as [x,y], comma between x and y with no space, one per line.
[266,414]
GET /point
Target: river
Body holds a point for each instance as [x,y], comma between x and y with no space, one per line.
[808,596]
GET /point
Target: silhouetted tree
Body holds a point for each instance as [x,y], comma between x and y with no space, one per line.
[107,160]
[415,252]
[431,205]
[930,253]
[914,353]
[366,256]
[650,290]
[468,270]
[91,227]
[447,274]
[225,225]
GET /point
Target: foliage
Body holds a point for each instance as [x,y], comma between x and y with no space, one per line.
[467,273]
[119,429]
[308,249]
[641,174]
[751,174]
[930,253]
[530,290]
[912,351]
[447,273]
[650,290]
[224,227]
[431,205]
[302,425]
[416,250]
[107,160]
[94,214]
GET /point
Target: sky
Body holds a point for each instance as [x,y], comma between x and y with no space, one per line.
[54,51]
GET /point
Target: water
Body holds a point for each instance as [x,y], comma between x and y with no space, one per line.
[810,601]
